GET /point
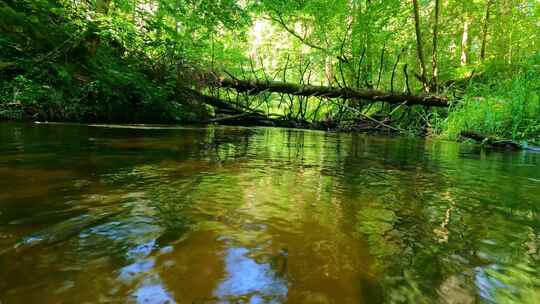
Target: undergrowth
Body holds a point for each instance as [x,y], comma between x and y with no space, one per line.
[503,102]
[58,64]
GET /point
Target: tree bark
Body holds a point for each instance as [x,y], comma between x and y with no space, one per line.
[369,46]
[508,19]
[419,44]
[257,87]
[465,41]
[485,31]
[435,71]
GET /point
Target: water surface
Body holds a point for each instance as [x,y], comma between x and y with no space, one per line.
[235,215]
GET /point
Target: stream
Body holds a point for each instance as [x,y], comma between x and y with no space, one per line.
[150,214]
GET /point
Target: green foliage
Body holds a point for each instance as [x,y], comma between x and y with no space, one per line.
[504,102]
[124,60]
[79,68]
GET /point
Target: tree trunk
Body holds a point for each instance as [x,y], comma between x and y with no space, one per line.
[435,71]
[509,17]
[258,87]
[369,44]
[419,44]
[485,31]
[329,70]
[465,41]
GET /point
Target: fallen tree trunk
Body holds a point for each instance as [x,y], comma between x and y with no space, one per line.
[497,143]
[187,93]
[233,114]
[223,105]
[257,87]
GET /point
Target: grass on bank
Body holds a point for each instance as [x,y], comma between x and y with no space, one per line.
[503,102]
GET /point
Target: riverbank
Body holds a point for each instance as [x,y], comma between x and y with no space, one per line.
[502,103]
[79,68]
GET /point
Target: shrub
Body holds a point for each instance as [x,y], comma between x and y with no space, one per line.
[509,106]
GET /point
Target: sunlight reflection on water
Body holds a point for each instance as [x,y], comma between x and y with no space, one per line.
[245,277]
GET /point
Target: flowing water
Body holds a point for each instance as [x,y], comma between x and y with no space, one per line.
[114,214]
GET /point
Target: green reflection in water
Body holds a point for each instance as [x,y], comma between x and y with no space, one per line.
[238,215]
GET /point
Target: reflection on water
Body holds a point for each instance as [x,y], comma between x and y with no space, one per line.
[247,279]
[236,215]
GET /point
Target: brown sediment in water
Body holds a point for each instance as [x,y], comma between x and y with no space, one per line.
[222,215]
